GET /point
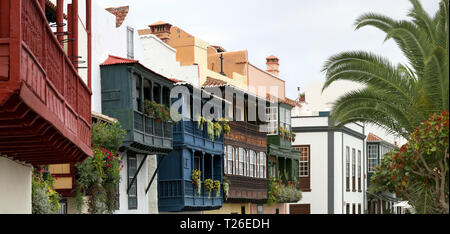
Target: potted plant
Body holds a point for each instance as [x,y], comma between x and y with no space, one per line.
[293,135]
[196,174]
[209,185]
[282,131]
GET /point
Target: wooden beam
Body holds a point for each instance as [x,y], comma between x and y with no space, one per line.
[154,174]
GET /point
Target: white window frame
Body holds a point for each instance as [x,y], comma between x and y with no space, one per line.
[241,155]
[130,42]
[272,126]
[372,157]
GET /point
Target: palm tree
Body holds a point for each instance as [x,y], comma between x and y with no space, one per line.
[396,97]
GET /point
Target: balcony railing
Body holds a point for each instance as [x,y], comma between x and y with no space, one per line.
[184,193]
[51,85]
[187,132]
[149,131]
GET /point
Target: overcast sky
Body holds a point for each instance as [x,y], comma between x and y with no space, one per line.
[301,33]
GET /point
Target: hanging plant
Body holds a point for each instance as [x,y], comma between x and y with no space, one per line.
[210,129]
[217,129]
[217,187]
[209,186]
[201,122]
[226,189]
[196,174]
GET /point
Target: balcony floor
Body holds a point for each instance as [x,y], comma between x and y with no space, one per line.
[27,135]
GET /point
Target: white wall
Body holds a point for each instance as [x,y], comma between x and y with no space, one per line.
[352,197]
[161,58]
[109,40]
[318,197]
[147,203]
[15,187]
[318,142]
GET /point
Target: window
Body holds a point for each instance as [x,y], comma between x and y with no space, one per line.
[372,157]
[285,118]
[132,168]
[262,165]
[359,171]
[304,160]
[252,163]
[347,168]
[241,161]
[359,209]
[354,170]
[272,112]
[230,161]
[130,43]
[347,208]
[354,208]
[240,110]
[247,162]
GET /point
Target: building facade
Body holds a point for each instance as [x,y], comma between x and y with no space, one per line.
[331,167]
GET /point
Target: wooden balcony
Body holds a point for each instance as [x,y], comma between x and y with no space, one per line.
[125,84]
[45,107]
[181,195]
[245,189]
[187,133]
[192,150]
[247,136]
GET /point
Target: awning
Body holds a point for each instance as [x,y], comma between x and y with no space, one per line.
[403,204]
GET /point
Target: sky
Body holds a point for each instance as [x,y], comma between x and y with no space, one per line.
[303,34]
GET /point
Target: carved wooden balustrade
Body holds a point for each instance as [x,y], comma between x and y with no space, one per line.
[45,106]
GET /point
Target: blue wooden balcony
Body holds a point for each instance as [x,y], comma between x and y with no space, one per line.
[125,86]
[192,150]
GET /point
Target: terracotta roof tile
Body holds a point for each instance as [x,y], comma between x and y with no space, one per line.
[112,60]
[213,82]
[373,138]
[120,13]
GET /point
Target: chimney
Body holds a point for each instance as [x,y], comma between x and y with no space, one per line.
[273,65]
[161,30]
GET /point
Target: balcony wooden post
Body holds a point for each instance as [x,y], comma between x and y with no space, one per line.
[75,32]
[70,30]
[89,35]
[142,93]
[203,166]
[59,20]
[212,166]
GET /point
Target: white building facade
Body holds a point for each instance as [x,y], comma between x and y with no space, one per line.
[332,163]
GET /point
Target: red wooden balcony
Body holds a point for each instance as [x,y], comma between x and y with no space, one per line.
[45,107]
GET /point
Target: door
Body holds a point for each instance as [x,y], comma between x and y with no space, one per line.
[300,209]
